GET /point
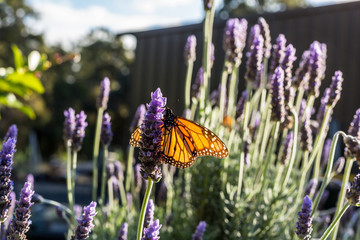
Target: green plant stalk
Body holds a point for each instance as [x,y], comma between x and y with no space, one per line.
[103,174]
[129,168]
[96,152]
[327,172]
[304,175]
[241,174]
[294,149]
[69,179]
[265,134]
[232,92]
[193,108]
[206,50]
[57,204]
[341,198]
[122,192]
[224,77]
[189,72]
[73,177]
[335,222]
[110,193]
[316,171]
[143,209]
[299,97]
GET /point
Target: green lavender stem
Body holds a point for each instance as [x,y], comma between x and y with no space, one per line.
[299,97]
[335,222]
[143,209]
[96,152]
[189,71]
[341,198]
[103,174]
[73,178]
[68,178]
[224,77]
[328,171]
[110,192]
[232,92]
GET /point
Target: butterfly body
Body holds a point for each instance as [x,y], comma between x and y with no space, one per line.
[184,141]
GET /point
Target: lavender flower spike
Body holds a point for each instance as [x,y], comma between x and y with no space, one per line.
[265,32]
[123,232]
[234,41]
[304,225]
[106,133]
[79,131]
[6,185]
[306,133]
[199,81]
[277,93]
[352,149]
[190,49]
[151,137]
[83,230]
[255,58]
[103,97]
[138,118]
[152,232]
[200,229]
[240,105]
[316,69]
[69,126]
[335,88]
[353,193]
[278,52]
[12,132]
[149,214]
[21,223]
[286,153]
[354,128]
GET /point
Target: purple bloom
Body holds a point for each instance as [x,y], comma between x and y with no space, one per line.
[325,152]
[21,223]
[151,137]
[316,66]
[77,211]
[234,41]
[265,32]
[83,230]
[123,232]
[106,133]
[30,179]
[240,105]
[6,185]
[138,178]
[69,126]
[354,128]
[287,65]
[304,225]
[278,52]
[352,148]
[302,73]
[306,133]
[353,192]
[79,131]
[208,4]
[200,229]
[277,94]
[138,118]
[149,214]
[335,88]
[152,232]
[287,146]
[190,49]
[110,169]
[254,32]
[255,58]
[199,81]
[118,170]
[12,132]
[103,97]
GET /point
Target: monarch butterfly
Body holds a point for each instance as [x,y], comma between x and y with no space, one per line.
[184,141]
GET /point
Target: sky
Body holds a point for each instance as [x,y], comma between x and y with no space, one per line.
[67,21]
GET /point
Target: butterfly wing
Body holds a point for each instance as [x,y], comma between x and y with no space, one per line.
[135,138]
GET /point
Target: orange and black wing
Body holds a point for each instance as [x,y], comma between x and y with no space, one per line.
[135,138]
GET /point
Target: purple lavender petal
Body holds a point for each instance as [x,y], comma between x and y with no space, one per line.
[149,214]
[190,49]
[277,94]
[69,126]
[152,232]
[12,132]
[353,192]
[208,4]
[255,58]
[199,81]
[278,52]
[103,97]
[123,232]
[335,88]
[138,118]
[286,153]
[85,223]
[265,32]
[199,233]
[79,131]
[106,133]
[304,225]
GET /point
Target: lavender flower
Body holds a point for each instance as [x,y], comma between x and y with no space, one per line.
[190,49]
[354,128]
[240,105]
[103,97]
[323,107]
[123,232]
[352,148]
[208,4]
[304,226]
[306,133]
[353,192]
[12,132]
[255,58]
[79,131]
[278,52]
[265,32]
[287,146]
[118,170]
[200,229]
[277,93]
[30,179]
[106,133]
[325,152]
[316,69]
[287,65]
[255,31]
[234,41]
[77,211]
[335,88]
[69,126]
[138,178]
[199,81]
[302,73]
[151,137]
[83,230]
[21,223]
[138,118]
[110,169]
[149,214]
[152,232]
[6,185]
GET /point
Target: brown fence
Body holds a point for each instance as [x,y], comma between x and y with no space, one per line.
[160,62]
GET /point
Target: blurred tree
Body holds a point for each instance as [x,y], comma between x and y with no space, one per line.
[241,7]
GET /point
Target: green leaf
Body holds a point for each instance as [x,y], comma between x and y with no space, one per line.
[11,101]
[18,58]
[10,87]
[27,80]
